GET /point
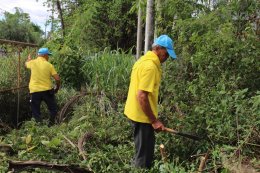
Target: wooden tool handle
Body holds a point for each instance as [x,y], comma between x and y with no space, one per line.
[170,130]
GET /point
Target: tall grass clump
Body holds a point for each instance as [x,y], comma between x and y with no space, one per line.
[108,71]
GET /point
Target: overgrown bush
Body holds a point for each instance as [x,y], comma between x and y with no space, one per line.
[215,83]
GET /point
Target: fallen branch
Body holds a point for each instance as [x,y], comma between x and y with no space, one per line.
[81,140]
[65,108]
[6,148]
[256,145]
[69,141]
[197,155]
[21,165]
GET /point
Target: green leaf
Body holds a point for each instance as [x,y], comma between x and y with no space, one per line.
[45,142]
[55,142]
[28,139]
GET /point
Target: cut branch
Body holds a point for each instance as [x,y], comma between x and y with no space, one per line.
[203,162]
[197,155]
[21,165]
[163,153]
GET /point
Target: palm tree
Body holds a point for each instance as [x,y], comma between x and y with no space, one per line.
[139,31]
[149,27]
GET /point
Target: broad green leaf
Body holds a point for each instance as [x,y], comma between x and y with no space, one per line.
[28,139]
[31,148]
[55,142]
[45,142]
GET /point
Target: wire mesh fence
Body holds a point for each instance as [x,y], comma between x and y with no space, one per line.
[14,78]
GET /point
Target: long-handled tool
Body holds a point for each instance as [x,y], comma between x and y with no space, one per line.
[182,134]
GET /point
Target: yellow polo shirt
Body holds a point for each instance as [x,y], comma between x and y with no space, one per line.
[146,76]
[41,72]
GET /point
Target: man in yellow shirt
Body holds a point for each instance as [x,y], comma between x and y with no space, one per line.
[142,99]
[40,85]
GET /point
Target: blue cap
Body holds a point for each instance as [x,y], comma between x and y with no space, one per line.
[166,41]
[44,51]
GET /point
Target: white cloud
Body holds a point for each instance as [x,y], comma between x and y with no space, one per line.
[39,13]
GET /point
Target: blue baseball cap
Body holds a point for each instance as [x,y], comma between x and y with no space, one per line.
[44,51]
[166,41]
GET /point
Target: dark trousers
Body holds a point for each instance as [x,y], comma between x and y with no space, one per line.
[49,98]
[144,140]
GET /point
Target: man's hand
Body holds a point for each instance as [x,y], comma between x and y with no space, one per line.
[143,100]
[57,80]
[29,58]
[158,125]
[56,89]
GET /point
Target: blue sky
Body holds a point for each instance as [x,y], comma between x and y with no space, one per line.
[37,11]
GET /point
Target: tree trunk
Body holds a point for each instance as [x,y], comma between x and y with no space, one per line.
[52,18]
[61,17]
[139,33]
[149,27]
[157,29]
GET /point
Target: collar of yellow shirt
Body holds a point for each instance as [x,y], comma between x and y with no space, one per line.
[152,56]
[41,58]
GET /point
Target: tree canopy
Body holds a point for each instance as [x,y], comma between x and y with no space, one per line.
[18,27]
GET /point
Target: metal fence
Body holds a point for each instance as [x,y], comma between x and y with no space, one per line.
[17,49]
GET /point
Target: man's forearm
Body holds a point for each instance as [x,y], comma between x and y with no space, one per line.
[28,59]
[145,105]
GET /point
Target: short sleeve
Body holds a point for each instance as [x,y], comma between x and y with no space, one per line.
[53,71]
[28,64]
[147,79]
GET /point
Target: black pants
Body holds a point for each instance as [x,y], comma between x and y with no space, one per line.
[144,140]
[49,98]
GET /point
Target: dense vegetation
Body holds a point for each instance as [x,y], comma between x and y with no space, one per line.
[211,90]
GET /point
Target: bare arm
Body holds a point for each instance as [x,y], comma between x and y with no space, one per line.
[142,97]
[28,59]
[58,83]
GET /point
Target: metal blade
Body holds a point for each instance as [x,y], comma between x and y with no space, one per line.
[183,134]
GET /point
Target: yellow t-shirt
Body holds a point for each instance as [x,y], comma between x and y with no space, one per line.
[41,72]
[146,76]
